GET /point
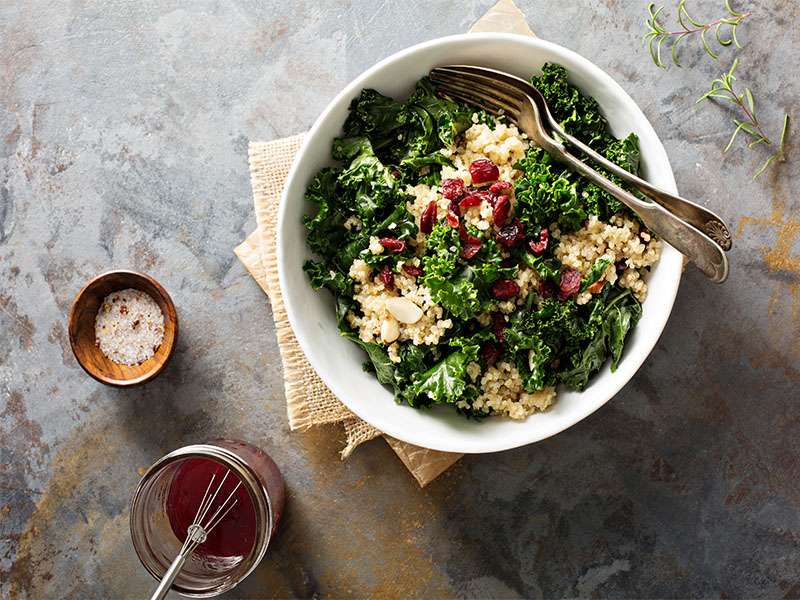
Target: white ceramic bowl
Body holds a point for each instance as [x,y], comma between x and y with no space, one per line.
[311,313]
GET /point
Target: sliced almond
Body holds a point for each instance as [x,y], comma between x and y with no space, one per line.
[390,330]
[404,310]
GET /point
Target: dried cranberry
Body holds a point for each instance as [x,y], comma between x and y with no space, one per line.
[412,270]
[469,250]
[539,247]
[491,353]
[570,283]
[512,233]
[473,199]
[453,189]
[387,277]
[499,326]
[500,186]
[547,289]
[454,207]
[471,244]
[470,247]
[452,218]
[502,207]
[428,218]
[621,265]
[393,245]
[503,289]
[469,201]
[483,170]
[395,173]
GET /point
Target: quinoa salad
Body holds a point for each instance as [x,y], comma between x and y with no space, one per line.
[472,268]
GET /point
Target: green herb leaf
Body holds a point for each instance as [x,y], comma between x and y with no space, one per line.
[657,33]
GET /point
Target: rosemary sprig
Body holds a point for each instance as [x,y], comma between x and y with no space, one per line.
[724,31]
[722,89]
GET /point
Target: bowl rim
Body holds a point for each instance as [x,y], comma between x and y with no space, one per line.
[666,299]
[73,334]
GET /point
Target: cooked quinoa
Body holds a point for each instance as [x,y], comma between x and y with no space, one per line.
[129,327]
[622,242]
[472,269]
[371,295]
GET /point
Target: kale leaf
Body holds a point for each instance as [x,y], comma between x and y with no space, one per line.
[446,381]
[376,117]
[613,316]
[579,115]
[324,230]
[547,268]
[461,287]
[536,339]
[408,134]
[456,294]
[379,359]
[450,118]
[585,363]
[622,315]
[321,275]
[370,184]
[547,193]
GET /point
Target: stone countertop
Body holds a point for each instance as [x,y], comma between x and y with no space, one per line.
[124,131]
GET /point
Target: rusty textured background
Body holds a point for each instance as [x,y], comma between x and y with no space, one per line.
[123,135]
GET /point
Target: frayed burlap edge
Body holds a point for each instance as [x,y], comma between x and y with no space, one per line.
[308,401]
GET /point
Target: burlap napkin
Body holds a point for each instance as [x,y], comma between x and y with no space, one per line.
[308,401]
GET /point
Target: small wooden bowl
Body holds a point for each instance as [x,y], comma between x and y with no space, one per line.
[81,329]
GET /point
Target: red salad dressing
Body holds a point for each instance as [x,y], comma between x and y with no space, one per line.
[235,534]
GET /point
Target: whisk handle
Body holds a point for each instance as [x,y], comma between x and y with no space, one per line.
[169,576]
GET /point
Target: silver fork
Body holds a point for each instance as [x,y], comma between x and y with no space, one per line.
[694,214]
[497,97]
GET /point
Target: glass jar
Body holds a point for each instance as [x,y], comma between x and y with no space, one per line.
[152,532]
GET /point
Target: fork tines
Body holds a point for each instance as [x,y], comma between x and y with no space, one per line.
[483,91]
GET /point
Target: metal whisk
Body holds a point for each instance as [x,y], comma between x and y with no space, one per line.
[197,532]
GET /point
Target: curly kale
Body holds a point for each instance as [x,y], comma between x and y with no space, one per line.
[376,117]
[569,343]
[461,287]
[579,115]
[446,381]
[454,293]
[548,192]
[613,315]
[409,135]
[369,183]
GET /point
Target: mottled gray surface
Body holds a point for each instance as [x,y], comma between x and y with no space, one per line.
[124,129]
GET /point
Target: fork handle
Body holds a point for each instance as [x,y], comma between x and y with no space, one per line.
[706,254]
[694,214]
